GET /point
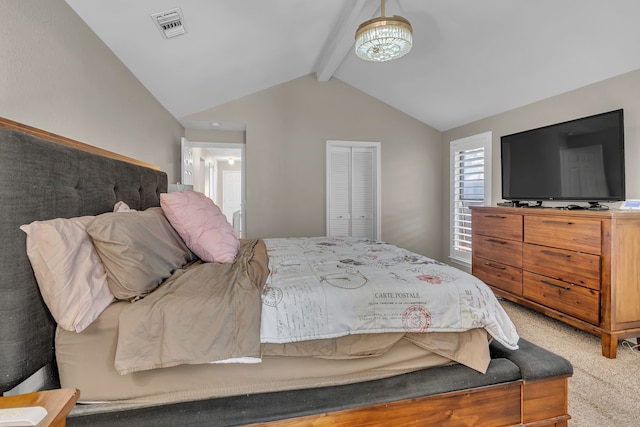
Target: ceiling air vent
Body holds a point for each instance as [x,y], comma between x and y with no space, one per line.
[169,22]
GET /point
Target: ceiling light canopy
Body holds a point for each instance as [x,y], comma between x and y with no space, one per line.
[383,39]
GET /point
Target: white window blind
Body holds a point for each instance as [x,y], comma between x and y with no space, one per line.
[470,186]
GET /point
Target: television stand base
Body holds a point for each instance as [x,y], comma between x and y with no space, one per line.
[596,206]
[537,204]
[519,204]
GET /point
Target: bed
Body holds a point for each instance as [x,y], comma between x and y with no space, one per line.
[397,358]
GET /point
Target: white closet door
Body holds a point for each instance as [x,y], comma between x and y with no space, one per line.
[362,192]
[340,191]
[352,191]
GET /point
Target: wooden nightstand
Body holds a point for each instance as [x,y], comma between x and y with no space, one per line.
[58,403]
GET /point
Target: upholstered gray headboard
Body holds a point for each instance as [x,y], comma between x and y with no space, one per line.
[42,180]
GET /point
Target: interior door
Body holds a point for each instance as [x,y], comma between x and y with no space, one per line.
[218,155]
[362,192]
[353,190]
[231,193]
[186,170]
[339,200]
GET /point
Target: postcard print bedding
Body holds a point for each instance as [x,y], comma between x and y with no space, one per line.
[330,287]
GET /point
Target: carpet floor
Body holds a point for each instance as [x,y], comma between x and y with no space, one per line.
[602,392]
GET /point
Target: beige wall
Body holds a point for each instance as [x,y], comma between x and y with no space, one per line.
[287,127]
[618,92]
[56,75]
[197,135]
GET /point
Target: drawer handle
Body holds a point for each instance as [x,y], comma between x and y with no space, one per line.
[502,242]
[557,222]
[555,254]
[499,267]
[546,282]
[495,216]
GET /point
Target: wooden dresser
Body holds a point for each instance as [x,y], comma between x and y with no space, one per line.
[581,267]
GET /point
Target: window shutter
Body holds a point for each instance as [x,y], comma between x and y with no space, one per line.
[470,159]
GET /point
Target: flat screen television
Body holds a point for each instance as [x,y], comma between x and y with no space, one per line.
[577,160]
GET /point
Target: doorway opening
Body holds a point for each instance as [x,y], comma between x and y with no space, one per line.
[218,171]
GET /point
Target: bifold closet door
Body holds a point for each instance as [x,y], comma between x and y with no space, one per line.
[352,192]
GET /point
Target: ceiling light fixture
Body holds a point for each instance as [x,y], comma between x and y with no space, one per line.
[231,161]
[383,39]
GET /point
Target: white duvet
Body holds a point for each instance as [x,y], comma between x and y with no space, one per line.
[325,288]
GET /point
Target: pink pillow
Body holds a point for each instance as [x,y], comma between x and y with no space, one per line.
[201,224]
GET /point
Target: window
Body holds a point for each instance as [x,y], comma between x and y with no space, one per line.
[470,186]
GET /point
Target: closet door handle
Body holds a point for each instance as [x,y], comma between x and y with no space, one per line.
[555,285]
[546,252]
[495,216]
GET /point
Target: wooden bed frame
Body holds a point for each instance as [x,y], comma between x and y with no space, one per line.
[523,387]
[489,406]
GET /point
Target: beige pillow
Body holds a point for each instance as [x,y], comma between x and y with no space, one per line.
[121,206]
[70,275]
[139,249]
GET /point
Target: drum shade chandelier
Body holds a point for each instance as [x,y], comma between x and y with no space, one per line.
[383,39]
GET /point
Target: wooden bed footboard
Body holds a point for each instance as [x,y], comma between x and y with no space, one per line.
[541,403]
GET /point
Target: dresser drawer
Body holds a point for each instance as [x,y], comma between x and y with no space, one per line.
[497,249]
[499,275]
[573,300]
[506,226]
[568,266]
[576,234]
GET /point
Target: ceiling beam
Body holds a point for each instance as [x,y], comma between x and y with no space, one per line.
[343,36]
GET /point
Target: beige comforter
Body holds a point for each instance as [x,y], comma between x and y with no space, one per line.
[219,305]
[211,312]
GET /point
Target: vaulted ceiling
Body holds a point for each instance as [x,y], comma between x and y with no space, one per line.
[470,59]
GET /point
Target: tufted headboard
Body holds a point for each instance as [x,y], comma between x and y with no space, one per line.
[41,180]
